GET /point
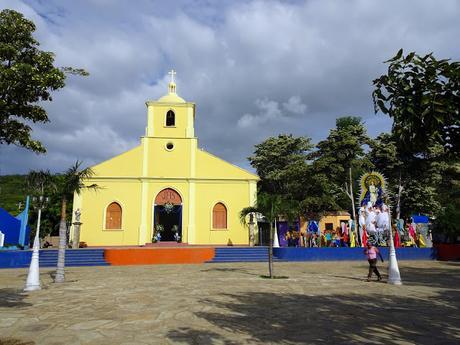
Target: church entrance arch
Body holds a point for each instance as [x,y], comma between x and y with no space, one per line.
[167,214]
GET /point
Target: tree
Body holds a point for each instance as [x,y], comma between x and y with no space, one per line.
[448,194]
[422,96]
[280,162]
[270,206]
[341,157]
[447,222]
[285,168]
[12,193]
[27,78]
[40,183]
[384,156]
[73,181]
[284,164]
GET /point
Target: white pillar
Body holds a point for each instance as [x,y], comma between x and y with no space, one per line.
[33,278]
[393,270]
[276,243]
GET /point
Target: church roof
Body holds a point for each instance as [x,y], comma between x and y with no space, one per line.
[172,96]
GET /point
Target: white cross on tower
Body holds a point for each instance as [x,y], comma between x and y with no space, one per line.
[172,73]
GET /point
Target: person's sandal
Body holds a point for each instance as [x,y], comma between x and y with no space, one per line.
[379,278]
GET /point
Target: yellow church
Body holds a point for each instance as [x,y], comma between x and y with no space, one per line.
[166,183]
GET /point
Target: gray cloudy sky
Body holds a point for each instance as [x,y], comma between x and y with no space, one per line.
[254,68]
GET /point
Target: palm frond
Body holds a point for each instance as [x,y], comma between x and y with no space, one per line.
[74,179]
[37,182]
[245,212]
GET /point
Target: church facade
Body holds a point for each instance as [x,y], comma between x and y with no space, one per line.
[166,185]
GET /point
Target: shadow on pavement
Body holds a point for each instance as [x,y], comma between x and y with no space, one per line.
[13,298]
[203,337]
[230,269]
[379,318]
[434,277]
[12,341]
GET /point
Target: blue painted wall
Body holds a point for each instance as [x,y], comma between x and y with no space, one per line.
[48,258]
[11,227]
[15,258]
[346,254]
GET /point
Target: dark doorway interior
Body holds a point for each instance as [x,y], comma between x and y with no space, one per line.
[264,233]
[168,218]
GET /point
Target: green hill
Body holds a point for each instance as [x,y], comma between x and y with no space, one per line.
[13,193]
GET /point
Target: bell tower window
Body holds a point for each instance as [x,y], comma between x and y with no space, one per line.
[170,119]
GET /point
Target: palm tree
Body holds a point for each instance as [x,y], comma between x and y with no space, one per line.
[38,181]
[72,181]
[269,206]
[37,184]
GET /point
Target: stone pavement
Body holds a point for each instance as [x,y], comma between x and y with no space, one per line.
[321,302]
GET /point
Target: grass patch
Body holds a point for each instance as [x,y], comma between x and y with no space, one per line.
[12,341]
[274,277]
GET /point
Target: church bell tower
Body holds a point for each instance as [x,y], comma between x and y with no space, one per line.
[170,116]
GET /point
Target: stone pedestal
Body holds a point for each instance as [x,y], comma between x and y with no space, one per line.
[76,235]
[251,230]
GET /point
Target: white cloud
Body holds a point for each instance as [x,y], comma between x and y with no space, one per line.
[295,105]
[268,110]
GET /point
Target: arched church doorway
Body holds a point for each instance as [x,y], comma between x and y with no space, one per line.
[168,215]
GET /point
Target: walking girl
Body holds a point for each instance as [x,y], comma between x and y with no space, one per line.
[371,253]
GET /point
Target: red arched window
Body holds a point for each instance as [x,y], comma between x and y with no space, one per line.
[113,216]
[219,216]
[168,195]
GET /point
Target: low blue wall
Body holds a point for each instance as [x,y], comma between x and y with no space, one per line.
[346,254]
[21,258]
[15,258]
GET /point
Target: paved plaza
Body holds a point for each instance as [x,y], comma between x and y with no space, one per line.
[320,303]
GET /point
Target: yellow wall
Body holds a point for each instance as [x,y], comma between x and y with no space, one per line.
[128,163]
[335,220]
[233,194]
[93,205]
[210,166]
[184,118]
[163,163]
